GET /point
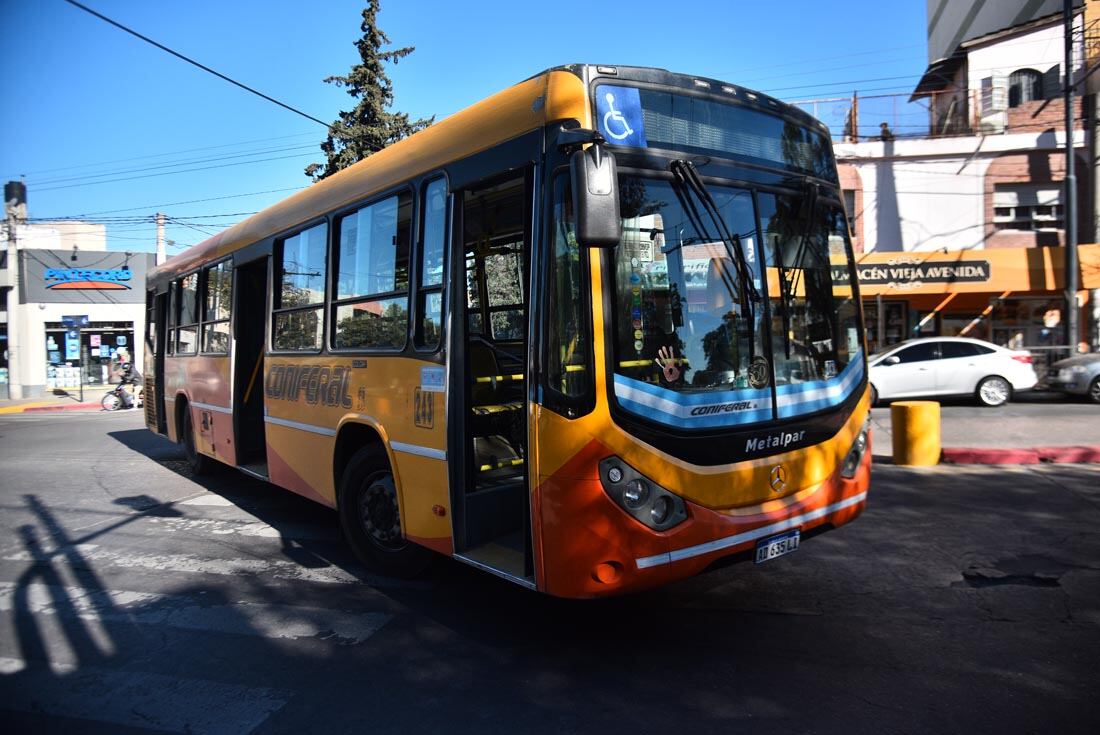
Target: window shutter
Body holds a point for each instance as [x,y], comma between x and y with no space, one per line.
[1052,82]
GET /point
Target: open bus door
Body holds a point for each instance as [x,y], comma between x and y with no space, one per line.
[490,485]
[156,342]
[249,332]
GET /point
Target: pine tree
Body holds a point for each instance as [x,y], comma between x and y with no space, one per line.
[369,127]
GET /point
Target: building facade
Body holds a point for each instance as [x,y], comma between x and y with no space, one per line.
[72,308]
[960,224]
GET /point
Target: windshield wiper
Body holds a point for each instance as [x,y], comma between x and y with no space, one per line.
[686,173]
[787,285]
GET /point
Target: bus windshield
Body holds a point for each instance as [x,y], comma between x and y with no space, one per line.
[690,349]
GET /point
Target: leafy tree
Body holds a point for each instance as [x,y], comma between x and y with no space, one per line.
[369,127]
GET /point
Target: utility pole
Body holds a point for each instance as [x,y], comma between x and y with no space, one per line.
[15,208]
[162,253]
[1071,186]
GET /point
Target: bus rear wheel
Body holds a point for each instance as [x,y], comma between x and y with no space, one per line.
[371,518]
[200,464]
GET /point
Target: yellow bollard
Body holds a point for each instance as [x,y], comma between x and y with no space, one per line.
[915,426]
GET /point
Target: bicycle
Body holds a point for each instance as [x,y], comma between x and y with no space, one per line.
[119,397]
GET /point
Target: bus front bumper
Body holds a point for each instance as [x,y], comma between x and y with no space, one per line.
[591,548]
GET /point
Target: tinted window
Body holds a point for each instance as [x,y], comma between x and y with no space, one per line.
[957,349]
[918,353]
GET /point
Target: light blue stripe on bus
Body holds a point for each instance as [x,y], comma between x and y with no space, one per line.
[820,394]
[672,408]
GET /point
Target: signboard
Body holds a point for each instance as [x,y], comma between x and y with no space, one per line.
[94,277]
[78,321]
[908,272]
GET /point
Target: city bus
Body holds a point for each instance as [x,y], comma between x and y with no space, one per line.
[596,333]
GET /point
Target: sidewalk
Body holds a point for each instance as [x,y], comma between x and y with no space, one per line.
[1019,433]
[50,403]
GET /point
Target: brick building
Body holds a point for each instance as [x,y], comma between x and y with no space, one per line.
[984,171]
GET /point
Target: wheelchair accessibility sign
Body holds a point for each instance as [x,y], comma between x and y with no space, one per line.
[619,115]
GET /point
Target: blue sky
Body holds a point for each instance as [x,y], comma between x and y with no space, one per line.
[105,125]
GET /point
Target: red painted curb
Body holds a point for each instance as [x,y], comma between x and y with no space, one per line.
[1082,454]
[63,407]
[972,455]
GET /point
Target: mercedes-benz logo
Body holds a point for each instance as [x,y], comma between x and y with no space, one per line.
[779,478]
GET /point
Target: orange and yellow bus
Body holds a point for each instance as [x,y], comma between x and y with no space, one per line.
[593,334]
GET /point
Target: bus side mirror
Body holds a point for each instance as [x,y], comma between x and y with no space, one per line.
[596,197]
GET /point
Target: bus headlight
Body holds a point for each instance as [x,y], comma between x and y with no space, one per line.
[636,493]
[855,454]
[647,502]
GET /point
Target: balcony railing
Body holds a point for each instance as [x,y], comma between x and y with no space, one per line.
[890,116]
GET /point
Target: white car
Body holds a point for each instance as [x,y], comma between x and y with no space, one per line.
[950,366]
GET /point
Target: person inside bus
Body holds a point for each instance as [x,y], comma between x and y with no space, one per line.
[715,327]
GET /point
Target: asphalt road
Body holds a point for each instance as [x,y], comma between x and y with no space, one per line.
[134,599]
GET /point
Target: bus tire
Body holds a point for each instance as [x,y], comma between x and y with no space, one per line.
[200,464]
[371,520]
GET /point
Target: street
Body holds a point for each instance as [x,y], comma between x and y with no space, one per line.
[134,598]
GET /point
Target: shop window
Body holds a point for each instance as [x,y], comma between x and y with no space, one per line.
[1028,207]
[188,314]
[1024,85]
[370,308]
[217,300]
[429,305]
[300,262]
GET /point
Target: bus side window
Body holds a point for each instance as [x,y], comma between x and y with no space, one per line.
[173,318]
[567,355]
[300,266]
[371,303]
[218,285]
[429,300]
[188,328]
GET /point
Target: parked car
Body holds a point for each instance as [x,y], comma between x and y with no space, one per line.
[950,366]
[1078,375]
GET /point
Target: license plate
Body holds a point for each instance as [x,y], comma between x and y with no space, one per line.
[776,546]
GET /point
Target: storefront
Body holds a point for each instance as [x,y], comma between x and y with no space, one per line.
[78,311]
[1009,296]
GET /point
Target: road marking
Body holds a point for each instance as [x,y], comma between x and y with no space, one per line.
[140,699]
[262,620]
[278,568]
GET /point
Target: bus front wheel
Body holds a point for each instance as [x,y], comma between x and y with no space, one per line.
[371,518]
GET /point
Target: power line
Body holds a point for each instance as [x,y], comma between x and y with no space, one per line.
[185,162]
[160,155]
[176,204]
[169,173]
[191,61]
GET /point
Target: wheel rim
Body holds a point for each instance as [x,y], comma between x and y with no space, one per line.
[378,513]
[994,391]
[1094,391]
[111,401]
